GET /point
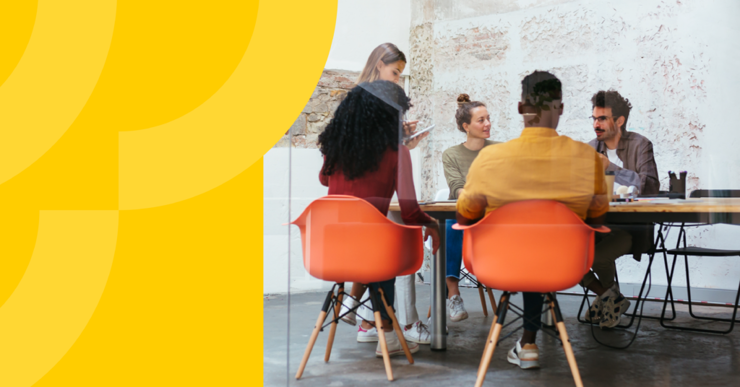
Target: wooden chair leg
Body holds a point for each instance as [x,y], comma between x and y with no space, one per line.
[490,332]
[482,300]
[488,340]
[493,339]
[381,336]
[566,341]
[333,329]
[314,334]
[493,300]
[429,314]
[397,328]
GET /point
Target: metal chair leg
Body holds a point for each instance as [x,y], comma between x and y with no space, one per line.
[688,289]
[503,306]
[315,333]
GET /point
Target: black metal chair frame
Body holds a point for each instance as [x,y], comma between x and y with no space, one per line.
[481,289]
[699,252]
[497,326]
[332,306]
[658,247]
[686,252]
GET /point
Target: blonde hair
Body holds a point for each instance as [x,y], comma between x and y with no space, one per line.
[386,52]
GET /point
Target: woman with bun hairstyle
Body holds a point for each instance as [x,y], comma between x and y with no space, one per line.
[362,158]
[472,119]
[386,63]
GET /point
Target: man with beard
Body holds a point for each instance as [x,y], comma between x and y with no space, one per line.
[630,156]
[626,153]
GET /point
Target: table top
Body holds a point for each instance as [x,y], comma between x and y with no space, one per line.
[699,205]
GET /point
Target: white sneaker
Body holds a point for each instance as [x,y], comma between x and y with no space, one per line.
[615,305]
[347,304]
[456,309]
[394,346]
[429,325]
[418,333]
[526,358]
[367,336]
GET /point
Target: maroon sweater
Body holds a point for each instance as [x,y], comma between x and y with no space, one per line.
[377,187]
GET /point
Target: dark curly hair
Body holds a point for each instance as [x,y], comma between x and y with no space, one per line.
[365,125]
[612,99]
[464,113]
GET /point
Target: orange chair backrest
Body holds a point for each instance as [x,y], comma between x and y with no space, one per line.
[346,239]
[529,246]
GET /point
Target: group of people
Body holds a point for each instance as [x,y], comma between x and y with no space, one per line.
[364,157]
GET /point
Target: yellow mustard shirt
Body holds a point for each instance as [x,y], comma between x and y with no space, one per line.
[540,164]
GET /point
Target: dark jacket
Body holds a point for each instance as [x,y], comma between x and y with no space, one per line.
[636,153]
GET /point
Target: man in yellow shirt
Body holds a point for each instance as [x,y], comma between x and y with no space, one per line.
[540,164]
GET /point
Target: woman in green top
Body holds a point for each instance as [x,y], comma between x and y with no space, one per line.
[472,119]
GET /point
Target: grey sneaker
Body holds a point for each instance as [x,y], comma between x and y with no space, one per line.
[615,305]
[456,309]
[526,357]
[594,312]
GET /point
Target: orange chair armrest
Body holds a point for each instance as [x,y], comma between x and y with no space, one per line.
[601,229]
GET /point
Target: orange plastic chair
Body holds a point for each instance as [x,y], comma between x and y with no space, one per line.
[338,232]
[536,246]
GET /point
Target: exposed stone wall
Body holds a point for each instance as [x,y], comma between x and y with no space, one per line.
[329,93]
[644,49]
[660,54]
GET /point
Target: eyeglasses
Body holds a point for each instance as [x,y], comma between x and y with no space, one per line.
[601,119]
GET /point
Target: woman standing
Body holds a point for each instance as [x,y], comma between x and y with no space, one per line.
[386,63]
[362,158]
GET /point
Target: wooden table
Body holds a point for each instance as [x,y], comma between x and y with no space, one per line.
[704,210]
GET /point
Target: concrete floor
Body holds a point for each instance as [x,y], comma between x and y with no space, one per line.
[659,357]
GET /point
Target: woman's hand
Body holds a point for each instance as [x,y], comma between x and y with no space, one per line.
[432,230]
[409,128]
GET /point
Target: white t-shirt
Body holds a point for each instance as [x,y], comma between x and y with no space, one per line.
[613,158]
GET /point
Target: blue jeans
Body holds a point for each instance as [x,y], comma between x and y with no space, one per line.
[454,249]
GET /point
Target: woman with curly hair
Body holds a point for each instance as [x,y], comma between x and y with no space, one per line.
[363,158]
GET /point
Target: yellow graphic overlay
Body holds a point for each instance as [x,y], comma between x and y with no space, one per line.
[56,297]
[131,183]
[53,80]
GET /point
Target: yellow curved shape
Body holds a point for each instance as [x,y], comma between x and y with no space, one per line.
[58,293]
[53,80]
[237,125]
[16,24]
